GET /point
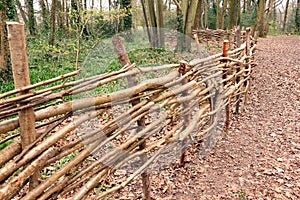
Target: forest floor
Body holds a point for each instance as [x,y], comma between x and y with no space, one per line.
[259,156]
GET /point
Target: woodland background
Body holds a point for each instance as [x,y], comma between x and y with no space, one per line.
[60,33]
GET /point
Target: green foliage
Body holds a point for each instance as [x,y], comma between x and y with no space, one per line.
[5,144]
[170,20]
[248,18]
[212,13]
[11,11]
[150,57]
[58,165]
[242,195]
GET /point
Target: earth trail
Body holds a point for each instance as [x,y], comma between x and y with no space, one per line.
[259,157]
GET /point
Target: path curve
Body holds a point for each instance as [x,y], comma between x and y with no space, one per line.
[259,157]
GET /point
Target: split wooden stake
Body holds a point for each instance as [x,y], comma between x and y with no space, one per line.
[182,71]
[16,39]
[120,50]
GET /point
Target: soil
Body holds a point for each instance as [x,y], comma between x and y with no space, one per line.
[259,156]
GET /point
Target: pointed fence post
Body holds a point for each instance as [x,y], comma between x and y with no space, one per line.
[120,50]
[238,69]
[225,54]
[247,72]
[17,44]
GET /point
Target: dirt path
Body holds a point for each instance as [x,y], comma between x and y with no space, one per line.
[259,157]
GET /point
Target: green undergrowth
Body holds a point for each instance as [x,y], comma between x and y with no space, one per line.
[96,57]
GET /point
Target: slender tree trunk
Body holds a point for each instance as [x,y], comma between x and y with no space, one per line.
[285,15]
[297,20]
[60,16]
[184,7]
[22,12]
[53,17]
[153,24]
[260,18]
[186,21]
[191,14]
[198,16]
[47,7]
[31,20]
[64,12]
[85,4]
[218,14]
[67,14]
[239,10]
[100,5]
[233,14]
[160,22]
[146,21]
[44,14]
[190,22]
[3,37]
[245,6]
[224,8]
[268,16]
[205,8]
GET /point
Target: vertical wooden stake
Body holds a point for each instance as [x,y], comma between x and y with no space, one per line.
[186,118]
[198,44]
[133,81]
[225,54]
[238,44]
[16,39]
[247,83]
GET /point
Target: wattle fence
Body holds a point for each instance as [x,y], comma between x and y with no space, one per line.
[73,137]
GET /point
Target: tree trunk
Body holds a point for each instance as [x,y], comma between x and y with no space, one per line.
[45,15]
[60,12]
[205,6]
[198,16]
[191,14]
[224,8]
[268,16]
[127,20]
[233,14]
[218,16]
[297,20]
[285,15]
[53,16]
[100,5]
[30,14]
[22,12]
[146,21]
[3,37]
[153,25]
[67,15]
[186,21]
[160,23]
[260,18]
[64,13]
